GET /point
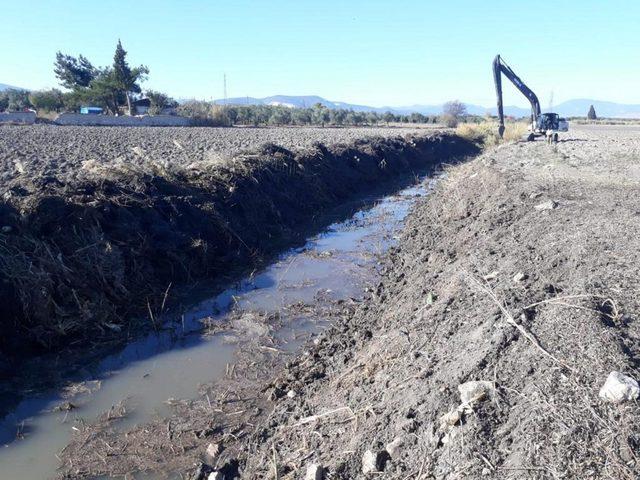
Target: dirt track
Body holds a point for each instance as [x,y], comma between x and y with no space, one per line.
[488,284]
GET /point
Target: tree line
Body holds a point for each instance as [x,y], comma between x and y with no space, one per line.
[211,114]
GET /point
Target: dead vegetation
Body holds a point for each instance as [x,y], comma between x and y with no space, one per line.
[486,133]
[212,429]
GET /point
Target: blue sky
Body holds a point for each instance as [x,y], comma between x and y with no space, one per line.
[371,52]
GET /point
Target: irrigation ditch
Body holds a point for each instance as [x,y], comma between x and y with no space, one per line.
[92,259]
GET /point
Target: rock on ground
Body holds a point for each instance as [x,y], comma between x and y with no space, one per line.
[619,388]
[314,472]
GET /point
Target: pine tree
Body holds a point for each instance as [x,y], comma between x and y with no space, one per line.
[125,77]
[592,113]
[74,73]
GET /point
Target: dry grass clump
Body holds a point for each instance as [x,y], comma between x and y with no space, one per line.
[486,133]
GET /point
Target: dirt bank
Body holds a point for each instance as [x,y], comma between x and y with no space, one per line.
[521,270]
[99,225]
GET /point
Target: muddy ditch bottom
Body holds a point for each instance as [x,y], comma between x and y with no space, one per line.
[143,378]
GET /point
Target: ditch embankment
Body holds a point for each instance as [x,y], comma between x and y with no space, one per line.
[102,226]
[519,272]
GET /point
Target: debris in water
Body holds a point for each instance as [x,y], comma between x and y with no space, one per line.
[64,407]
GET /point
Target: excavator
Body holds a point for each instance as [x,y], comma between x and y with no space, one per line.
[542,124]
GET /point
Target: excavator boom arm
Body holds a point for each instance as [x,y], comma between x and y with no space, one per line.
[500,67]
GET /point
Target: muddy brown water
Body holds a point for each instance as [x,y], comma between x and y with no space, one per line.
[336,264]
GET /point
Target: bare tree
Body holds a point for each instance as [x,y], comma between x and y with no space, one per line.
[452,112]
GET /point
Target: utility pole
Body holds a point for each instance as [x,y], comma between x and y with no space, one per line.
[225,87]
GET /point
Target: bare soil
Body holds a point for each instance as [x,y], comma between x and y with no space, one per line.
[519,270]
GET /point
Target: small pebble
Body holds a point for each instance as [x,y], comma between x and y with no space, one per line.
[371,462]
[213,449]
[619,388]
[314,472]
[548,205]
[519,277]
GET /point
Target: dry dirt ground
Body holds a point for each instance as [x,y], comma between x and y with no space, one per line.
[520,270]
[51,148]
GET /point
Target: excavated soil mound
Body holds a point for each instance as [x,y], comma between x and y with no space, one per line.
[520,272]
[100,224]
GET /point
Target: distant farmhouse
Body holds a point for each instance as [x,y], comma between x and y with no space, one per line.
[141,106]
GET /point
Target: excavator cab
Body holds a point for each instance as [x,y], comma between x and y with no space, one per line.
[548,121]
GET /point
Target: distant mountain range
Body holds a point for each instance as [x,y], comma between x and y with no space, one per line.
[571,108]
[4,86]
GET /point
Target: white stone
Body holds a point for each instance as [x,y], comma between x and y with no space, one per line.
[451,418]
[491,276]
[519,277]
[450,436]
[291,394]
[213,449]
[473,391]
[314,472]
[619,388]
[370,462]
[431,298]
[548,205]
